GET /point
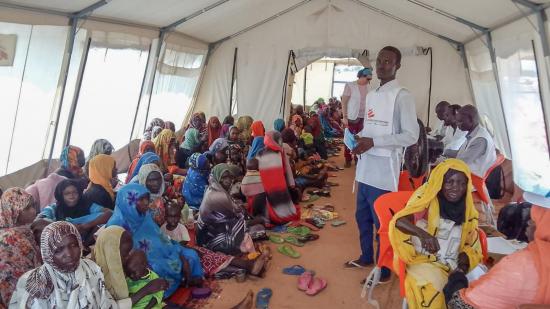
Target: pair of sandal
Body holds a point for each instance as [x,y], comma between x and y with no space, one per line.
[310,284]
[288,251]
[288,239]
[323,193]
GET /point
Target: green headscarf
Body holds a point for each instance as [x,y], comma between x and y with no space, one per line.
[219,170]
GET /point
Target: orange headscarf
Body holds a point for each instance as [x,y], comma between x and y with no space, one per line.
[257,128]
[540,248]
[162,147]
[101,172]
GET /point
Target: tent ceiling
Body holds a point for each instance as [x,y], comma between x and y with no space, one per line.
[235,15]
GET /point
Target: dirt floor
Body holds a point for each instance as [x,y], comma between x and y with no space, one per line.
[326,257]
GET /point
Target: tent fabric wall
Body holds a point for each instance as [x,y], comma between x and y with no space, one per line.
[262,63]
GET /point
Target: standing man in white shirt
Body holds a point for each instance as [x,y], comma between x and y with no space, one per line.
[441,128]
[389,126]
[353,106]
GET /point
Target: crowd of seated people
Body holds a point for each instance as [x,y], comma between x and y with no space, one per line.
[190,209]
[184,212]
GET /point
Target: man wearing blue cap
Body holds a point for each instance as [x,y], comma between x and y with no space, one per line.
[354,104]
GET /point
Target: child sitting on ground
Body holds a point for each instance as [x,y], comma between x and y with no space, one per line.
[173,228]
[306,144]
[138,275]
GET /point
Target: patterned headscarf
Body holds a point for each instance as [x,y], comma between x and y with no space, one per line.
[100,146]
[69,160]
[243,124]
[170,126]
[12,203]
[156,131]
[199,162]
[147,158]
[101,172]
[218,145]
[196,121]
[39,283]
[162,147]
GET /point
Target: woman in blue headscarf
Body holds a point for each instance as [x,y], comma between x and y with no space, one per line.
[257,145]
[279,125]
[146,158]
[196,181]
[165,256]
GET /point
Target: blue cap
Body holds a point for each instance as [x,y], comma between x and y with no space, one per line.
[364,72]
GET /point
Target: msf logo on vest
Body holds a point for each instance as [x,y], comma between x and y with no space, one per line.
[370,113]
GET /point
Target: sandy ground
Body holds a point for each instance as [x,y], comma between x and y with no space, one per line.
[326,257]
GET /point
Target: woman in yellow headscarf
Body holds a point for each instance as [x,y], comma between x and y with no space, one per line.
[244,123]
[436,234]
[103,178]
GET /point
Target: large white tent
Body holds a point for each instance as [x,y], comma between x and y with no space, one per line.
[84,69]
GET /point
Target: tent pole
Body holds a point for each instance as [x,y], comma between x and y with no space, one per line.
[232,81]
[462,50]
[140,96]
[73,20]
[285,84]
[497,80]
[162,35]
[305,86]
[292,8]
[175,24]
[379,11]
[65,74]
[72,112]
[449,15]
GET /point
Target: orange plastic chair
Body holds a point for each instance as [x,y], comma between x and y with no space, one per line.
[479,182]
[407,183]
[386,206]
[484,245]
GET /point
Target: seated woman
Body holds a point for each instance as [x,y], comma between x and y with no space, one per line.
[103,178]
[196,181]
[290,144]
[166,146]
[72,160]
[234,137]
[147,158]
[318,135]
[257,145]
[192,142]
[214,130]
[65,280]
[277,179]
[244,124]
[221,223]
[170,126]
[151,177]
[335,121]
[100,146]
[144,147]
[18,250]
[279,125]
[235,157]
[112,244]
[296,125]
[228,122]
[166,257]
[72,207]
[518,279]
[436,234]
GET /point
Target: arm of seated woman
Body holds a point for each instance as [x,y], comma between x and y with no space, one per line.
[429,242]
